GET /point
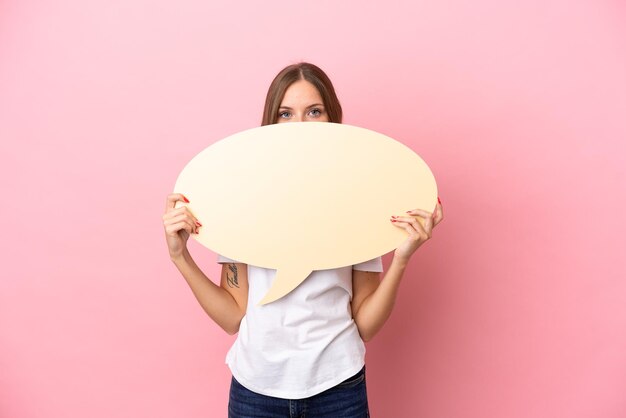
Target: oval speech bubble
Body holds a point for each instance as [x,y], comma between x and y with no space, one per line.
[304,196]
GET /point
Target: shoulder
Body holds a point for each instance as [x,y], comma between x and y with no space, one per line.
[375,265]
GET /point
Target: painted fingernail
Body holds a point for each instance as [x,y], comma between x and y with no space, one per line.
[438,200]
[186,200]
[393,220]
[393,216]
[198,223]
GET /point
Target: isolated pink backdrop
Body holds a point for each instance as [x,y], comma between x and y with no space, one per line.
[516,307]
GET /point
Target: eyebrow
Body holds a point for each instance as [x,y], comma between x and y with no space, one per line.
[313,105]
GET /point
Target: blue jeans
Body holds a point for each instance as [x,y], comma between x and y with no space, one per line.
[346,400]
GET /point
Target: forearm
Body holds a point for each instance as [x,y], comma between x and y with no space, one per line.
[377,307]
[215,300]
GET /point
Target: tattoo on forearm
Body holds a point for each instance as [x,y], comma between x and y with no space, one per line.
[233,280]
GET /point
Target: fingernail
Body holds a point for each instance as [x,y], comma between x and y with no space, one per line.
[438,200]
[393,216]
[198,223]
[393,220]
[185,199]
[409,211]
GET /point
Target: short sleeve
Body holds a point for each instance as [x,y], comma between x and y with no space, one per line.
[375,264]
[222,259]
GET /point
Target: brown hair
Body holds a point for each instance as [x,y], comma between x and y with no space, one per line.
[291,74]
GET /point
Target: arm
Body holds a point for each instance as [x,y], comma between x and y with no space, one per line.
[225,304]
[373,299]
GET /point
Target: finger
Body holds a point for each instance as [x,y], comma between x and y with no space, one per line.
[420,212]
[181,210]
[195,226]
[184,219]
[413,220]
[438,215]
[172,198]
[440,212]
[439,206]
[178,227]
[175,217]
[423,229]
[175,228]
[181,220]
[407,227]
[428,218]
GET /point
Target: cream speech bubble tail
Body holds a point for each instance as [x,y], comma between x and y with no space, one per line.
[286,279]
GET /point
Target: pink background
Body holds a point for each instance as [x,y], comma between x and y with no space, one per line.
[515,308]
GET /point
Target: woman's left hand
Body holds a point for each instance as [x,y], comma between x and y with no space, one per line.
[418,234]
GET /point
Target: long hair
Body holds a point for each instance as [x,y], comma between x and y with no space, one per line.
[291,74]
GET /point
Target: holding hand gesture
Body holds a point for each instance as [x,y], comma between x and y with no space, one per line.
[418,234]
[178,223]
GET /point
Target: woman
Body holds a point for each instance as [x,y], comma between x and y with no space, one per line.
[302,355]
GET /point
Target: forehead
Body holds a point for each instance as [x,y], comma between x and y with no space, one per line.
[301,92]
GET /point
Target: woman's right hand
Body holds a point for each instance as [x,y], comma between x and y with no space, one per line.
[178,223]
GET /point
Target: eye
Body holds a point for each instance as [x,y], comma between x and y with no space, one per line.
[315,112]
[284,114]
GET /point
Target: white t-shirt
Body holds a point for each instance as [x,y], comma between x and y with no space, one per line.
[303,343]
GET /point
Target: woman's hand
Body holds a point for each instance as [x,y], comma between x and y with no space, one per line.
[418,234]
[178,223]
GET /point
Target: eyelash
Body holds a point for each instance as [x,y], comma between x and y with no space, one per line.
[319,113]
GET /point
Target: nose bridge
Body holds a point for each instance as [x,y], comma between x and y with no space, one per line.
[299,117]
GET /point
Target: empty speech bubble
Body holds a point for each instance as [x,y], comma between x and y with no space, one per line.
[304,196]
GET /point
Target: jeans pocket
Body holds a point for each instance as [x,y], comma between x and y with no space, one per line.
[354,380]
